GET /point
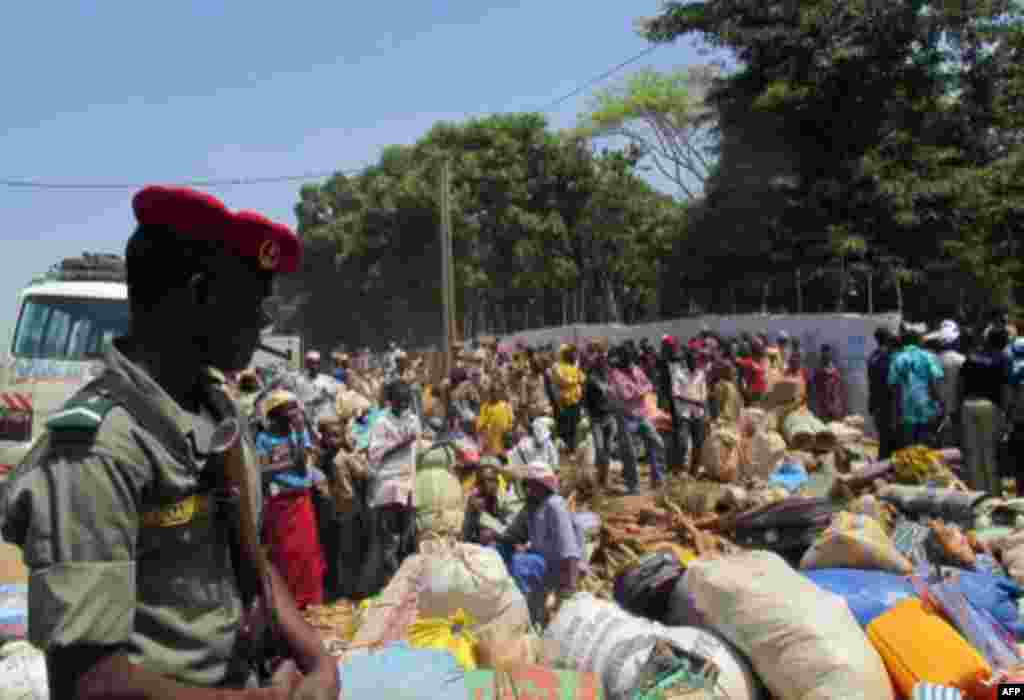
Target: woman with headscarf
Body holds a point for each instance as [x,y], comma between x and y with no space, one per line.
[285,450]
[543,546]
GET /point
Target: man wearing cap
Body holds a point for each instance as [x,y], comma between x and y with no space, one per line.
[123,514]
[947,337]
[391,502]
[316,391]
[341,365]
[543,545]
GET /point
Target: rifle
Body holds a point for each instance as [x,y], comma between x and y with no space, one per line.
[263,626]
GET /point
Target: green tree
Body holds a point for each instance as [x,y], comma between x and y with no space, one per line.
[545,230]
[666,118]
[896,124]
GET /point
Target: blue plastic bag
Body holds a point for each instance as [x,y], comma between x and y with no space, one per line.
[989,637]
[997,595]
[400,672]
[790,476]
[868,594]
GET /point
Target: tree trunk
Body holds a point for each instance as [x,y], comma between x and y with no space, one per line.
[842,284]
[614,315]
[899,296]
[583,301]
[871,293]
[799,291]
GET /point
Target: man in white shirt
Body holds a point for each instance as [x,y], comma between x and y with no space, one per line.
[316,391]
[948,338]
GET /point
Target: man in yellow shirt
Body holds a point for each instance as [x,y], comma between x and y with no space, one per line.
[568,380]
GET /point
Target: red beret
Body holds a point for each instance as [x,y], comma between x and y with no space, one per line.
[196,214]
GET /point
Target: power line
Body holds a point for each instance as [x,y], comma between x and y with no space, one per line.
[597,79]
[33,184]
[18,183]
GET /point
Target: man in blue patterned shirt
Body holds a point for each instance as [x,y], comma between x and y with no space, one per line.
[914,377]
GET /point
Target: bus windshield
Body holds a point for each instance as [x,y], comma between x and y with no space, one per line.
[68,328]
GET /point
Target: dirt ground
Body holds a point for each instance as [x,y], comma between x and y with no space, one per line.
[12,570]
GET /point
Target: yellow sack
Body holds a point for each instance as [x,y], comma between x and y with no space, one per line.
[720,454]
[448,634]
[919,465]
[854,541]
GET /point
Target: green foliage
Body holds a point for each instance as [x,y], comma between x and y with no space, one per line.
[862,132]
[544,229]
[665,118]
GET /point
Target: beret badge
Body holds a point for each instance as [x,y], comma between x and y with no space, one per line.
[269,254]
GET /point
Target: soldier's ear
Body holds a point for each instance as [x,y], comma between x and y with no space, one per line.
[198,287]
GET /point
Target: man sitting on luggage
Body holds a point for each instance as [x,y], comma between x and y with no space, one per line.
[543,546]
[487,512]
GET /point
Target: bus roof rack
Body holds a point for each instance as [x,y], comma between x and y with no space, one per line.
[90,267]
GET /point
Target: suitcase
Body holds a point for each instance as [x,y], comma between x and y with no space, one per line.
[788,527]
[645,589]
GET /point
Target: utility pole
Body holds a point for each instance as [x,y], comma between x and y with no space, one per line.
[447,269]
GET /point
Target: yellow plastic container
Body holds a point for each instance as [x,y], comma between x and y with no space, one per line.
[918,645]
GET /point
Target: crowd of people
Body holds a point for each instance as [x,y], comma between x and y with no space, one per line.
[341,505]
[953,387]
[136,522]
[339,448]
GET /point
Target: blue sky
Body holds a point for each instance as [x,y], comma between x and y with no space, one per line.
[101,92]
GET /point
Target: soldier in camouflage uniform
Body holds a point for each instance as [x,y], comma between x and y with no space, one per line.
[137,584]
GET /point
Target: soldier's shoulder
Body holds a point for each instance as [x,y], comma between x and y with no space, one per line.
[86,411]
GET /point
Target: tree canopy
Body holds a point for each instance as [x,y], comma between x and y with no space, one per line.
[883,134]
[665,118]
[545,230]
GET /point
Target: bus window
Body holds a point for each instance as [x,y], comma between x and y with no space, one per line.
[30,328]
[78,343]
[66,328]
[55,338]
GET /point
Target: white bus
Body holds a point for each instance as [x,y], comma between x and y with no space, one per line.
[65,321]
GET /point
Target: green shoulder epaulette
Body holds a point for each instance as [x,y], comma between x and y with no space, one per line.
[84,412]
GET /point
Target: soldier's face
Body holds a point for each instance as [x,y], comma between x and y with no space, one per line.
[232,312]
